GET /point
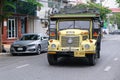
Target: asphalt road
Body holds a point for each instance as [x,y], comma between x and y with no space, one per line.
[36,67]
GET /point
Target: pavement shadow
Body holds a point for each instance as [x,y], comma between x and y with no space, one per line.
[73,62]
[28,54]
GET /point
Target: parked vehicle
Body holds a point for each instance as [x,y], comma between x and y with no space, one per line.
[30,43]
[115,32]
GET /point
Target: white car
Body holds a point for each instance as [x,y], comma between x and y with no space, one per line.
[30,43]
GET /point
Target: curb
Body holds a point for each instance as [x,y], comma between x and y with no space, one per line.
[3,54]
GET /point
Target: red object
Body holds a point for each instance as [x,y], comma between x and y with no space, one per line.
[51,41]
[91,41]
[52,34]
[95,34]
[115,9]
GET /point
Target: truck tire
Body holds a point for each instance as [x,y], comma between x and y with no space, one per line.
[98,49]
[52,59]
[98,54]
[92,59]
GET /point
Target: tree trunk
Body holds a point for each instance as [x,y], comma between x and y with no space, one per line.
[0,36]
[1,3]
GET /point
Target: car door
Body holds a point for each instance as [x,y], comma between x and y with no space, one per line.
[41,42]
[45,41]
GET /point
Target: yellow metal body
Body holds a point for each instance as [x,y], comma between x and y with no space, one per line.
[80,47]
[80,50]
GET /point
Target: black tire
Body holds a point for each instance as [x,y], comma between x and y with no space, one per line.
[52,59]
[98,50]
[98,54]
[38,50]
[92,59]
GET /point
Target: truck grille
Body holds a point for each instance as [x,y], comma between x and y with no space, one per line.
[74,42]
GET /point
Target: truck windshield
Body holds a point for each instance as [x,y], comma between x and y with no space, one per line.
[74,25]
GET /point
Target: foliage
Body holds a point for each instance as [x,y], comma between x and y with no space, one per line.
[103,10]
[118,1]
[34,2]
[22,7]
[115,18]
[17,6]
[3,5]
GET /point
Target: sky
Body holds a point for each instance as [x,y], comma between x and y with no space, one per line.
[110,3]
[106,3]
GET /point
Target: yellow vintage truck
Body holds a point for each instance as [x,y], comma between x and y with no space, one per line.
[74,33]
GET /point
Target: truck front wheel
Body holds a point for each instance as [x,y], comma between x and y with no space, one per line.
[92,59]
[52,59]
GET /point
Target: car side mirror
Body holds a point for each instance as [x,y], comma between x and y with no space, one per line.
[41,39]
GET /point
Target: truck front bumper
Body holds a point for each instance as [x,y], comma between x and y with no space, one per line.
[72,53]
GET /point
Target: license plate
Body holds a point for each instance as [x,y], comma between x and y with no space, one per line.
[79,54]
[20,49]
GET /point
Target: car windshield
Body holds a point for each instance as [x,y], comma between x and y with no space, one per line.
[29,37]
[74,24]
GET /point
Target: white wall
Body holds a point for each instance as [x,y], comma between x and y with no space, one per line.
[78,1]
[30,26]
[34,25]
[38,27]
[42,12]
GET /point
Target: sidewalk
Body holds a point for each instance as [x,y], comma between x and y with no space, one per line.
[7,48]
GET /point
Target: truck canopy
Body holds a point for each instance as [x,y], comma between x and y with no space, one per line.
[74,13]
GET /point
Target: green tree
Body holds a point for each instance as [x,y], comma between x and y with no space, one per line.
[118,1]
[115,19]
[10,3]
[103,10]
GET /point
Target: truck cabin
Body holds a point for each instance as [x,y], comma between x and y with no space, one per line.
[88,22]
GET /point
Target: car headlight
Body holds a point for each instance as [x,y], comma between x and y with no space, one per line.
[87,46]
[31,45]
[53,46]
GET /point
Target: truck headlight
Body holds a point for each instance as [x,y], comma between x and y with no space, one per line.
[87,46]
[53,46]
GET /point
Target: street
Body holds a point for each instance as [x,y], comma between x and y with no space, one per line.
[36,67]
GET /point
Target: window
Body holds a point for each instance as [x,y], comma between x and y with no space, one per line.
[12,29]
[75,24]
[29,37]
[23,26]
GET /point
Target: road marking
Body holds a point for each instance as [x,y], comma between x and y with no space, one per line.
[115,59]
[22,66]
[107,68]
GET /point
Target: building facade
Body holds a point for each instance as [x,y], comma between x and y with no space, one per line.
[18,23]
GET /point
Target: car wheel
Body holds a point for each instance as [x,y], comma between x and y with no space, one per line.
[92,59]
[52,59]
[39,49]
